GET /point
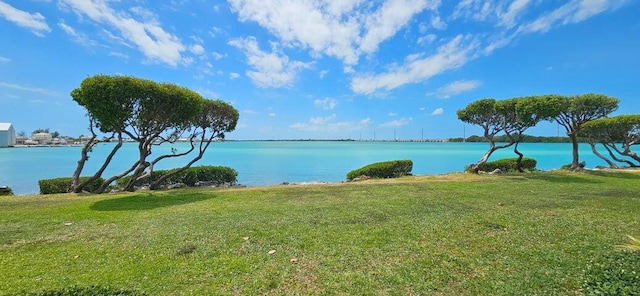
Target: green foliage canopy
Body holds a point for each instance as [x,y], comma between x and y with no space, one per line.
[578,110]
[617,135]
[150,113]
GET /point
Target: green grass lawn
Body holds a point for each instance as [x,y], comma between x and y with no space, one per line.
[458,234]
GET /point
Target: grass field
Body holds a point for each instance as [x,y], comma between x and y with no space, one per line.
[458,234]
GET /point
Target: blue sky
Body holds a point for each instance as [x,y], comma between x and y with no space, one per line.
[298,69]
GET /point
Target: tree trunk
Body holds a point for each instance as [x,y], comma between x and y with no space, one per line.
[98,174]
[595,151]
[475,168]
[520,156]
[84,156]
[612,147]
[575,164]
[110,180]
[144,150]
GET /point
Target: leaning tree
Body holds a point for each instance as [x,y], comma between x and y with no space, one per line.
[520,114]
[617,135]
[484,113]
[215,118]
[578,110]
[150,114]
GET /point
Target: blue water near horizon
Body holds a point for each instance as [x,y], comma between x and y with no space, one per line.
[262,163]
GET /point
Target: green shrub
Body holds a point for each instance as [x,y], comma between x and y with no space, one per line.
[190,177]
[616,273]
[5,190]
[87,291]
[214,174]
[61,185]
[508,164]
[387,169]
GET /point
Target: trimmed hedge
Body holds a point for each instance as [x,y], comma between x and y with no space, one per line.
[191,177]
[508,164]
[61,185]
[5,190]
[214,174]
[386,169]
[616,273]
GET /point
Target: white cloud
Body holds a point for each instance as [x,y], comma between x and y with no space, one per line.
[508,18]
[573,12]
[214,31]
[79,38]
[427,38]
[365,122]
[197,49]
[217,55]
[149,37]
[28,88]
[272,114]
[393,114]
[326,124]
[437,111]
[392,16]
[438,23]
[343,29]
[119,55]
[397,123]
[478,10]
[322,120]
[326,104]
[234,75]
[249,112]
[457,87]
[271,69]
[323,73]
[417,69]
[34,21]
[4,60]
[422,108]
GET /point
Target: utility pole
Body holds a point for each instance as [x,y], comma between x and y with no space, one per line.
[464,133]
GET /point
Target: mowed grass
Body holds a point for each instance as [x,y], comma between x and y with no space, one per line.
[458,234]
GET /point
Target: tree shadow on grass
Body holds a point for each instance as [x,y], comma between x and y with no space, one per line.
[148,201]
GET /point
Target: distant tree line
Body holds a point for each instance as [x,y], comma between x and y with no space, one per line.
[525,139]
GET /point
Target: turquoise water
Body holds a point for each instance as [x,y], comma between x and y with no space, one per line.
[268,163]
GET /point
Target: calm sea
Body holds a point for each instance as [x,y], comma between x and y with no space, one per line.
[274,162]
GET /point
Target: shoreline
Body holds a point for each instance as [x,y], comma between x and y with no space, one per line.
[342,182]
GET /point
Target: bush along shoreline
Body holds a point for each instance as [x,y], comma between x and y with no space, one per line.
[213,176]
[382,170]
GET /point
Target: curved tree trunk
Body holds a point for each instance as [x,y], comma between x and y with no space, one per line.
[520,156]
[142,164]
[475,168]
[610,146]
[84,156]
[156,185]
[595,151]
[104,166]
[110,180]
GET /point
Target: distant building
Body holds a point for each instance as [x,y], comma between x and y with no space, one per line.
[7,135]
[42,138]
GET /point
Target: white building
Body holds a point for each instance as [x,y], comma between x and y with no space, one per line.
[42,138]
[7,135]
